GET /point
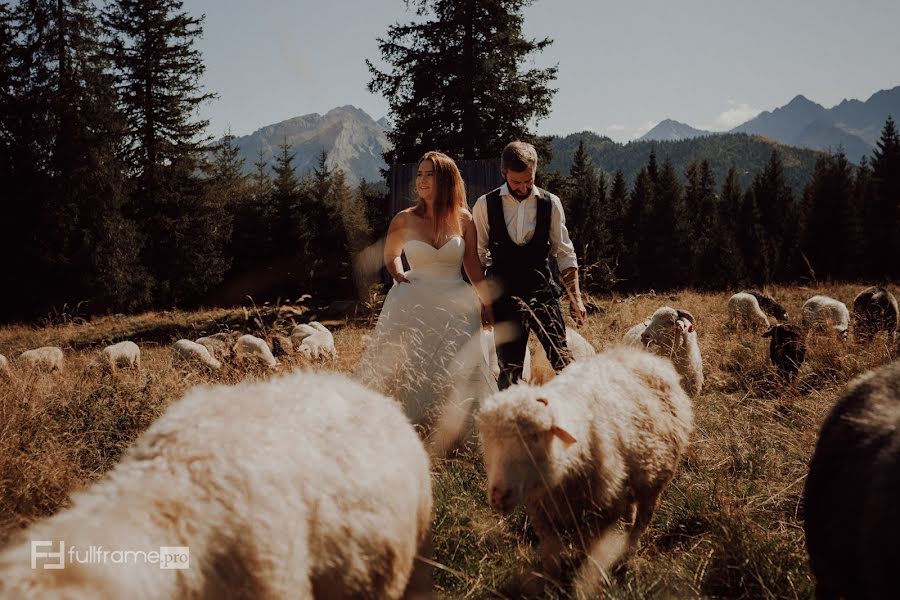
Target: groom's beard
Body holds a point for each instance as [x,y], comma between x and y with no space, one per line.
[516,194]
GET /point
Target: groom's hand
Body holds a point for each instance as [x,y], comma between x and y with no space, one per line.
[578,312]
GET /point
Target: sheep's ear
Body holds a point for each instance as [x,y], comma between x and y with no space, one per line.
[563,435]
[542,401]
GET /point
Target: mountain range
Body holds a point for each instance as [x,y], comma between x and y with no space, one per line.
[852,125]
[353,140]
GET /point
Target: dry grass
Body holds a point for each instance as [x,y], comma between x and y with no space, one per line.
[729,526]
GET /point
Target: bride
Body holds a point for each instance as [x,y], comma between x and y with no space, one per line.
[426,349]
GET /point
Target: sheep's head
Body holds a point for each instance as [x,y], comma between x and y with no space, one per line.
[519,433]
[667,331]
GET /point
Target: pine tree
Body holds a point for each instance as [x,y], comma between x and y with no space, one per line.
[778,217]
[662,252]
[702,226]
[612,250]
[883,217]
[585,194]
[159,72]
[455,80]
[639,206]
[730,269]
[830,239]
[66,130]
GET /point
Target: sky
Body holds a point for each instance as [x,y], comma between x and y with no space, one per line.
[623,66]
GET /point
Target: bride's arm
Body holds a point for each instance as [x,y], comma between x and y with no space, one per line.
[474,270]
[393,248]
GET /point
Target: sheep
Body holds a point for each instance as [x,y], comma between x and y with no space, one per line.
[672,334]
[306,486]
[822,313]
[744,312]
[4,366]
[249,347]
[768,305]
[47,358]
[219,345]
[124,354]
[595,445]
[315,341]
[852,491]
[874,310]
[787,350]
[194,352]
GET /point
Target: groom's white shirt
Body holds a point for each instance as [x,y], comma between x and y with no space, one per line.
[521,218]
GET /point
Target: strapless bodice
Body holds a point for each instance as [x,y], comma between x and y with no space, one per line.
[435,264]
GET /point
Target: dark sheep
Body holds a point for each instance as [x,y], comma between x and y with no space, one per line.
[852,492]
[769,305]
[787,350]
[874,310]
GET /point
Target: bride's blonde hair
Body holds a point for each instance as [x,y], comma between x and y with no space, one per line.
[449,196]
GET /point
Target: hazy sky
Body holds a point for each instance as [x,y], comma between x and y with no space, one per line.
[623,66]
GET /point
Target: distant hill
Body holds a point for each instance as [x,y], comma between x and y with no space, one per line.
[749,154]
[671,131]
[353,140]
[852,124]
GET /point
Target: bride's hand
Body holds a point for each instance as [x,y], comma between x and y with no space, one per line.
[487,316]
[401,278]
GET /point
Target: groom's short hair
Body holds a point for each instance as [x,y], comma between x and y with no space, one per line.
[518,156]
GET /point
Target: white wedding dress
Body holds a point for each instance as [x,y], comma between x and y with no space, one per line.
[426,350]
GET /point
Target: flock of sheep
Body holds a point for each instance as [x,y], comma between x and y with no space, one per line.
[312,340]
[312,485]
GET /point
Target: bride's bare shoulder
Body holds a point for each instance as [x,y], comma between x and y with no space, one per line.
[402,220]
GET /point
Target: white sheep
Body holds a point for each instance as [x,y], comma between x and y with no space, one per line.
[46,358]
[251,348]
[851,495]
[4,366]
[305,486]
[315,341]
[194,352]
[672,333]
[123,354]
[823,313]
[744,312]
[591,448]
[219,345]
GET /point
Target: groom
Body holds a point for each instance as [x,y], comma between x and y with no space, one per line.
[520,228]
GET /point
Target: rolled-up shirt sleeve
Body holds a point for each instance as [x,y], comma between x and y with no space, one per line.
[560,245]
[479,215]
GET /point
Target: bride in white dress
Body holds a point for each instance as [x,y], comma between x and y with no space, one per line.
[426,349]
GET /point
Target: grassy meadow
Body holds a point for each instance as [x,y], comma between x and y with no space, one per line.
[729,526]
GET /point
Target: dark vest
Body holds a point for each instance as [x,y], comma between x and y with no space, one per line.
[523,271]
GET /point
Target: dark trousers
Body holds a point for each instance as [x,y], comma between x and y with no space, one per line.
[541,313]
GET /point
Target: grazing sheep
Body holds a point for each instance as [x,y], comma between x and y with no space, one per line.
[874,310]
[853,491]
[632,337]
[196,353]
[744,312]
[672,334]
[219,345]
[252,348]
[787,350]
[47,358]
[768,305]
[821,314]
[124,354]
[317,343]
[305,486]
[594,446]
[4,366]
